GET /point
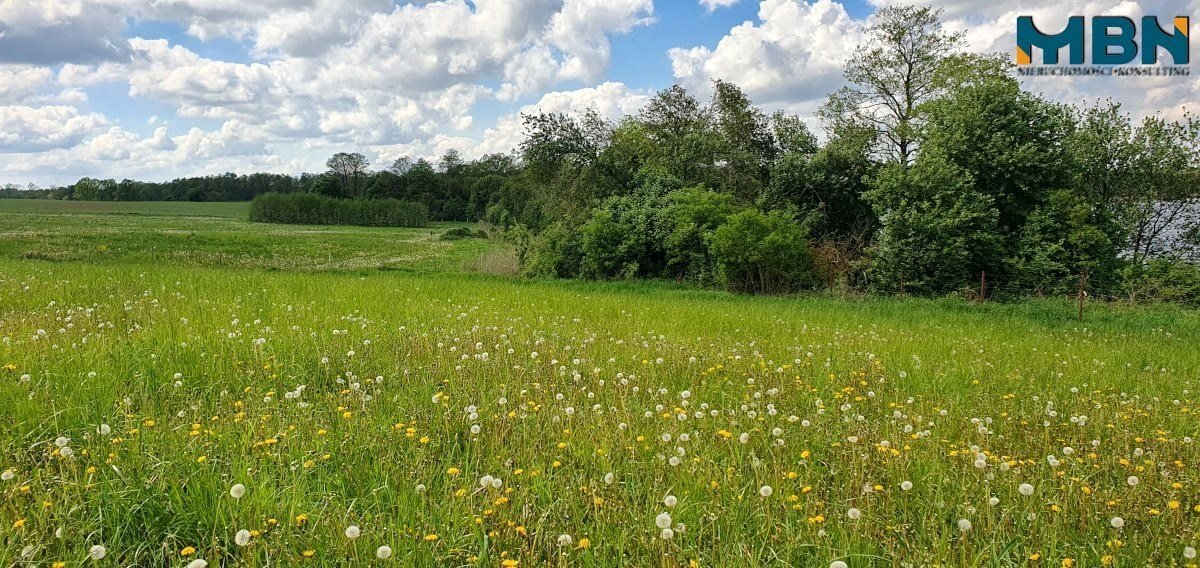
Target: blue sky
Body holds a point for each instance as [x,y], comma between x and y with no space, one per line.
[127,88]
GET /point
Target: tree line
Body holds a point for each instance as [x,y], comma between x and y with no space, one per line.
[937,175]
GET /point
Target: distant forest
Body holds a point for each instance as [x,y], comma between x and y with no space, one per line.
[938,175]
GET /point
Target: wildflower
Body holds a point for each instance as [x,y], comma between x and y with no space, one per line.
[585,543]
[198,563]
[62,441]
[854,514]
[964,525]
[906,485]
[1025,489]
[352,532]
[242,538]
[667,534]
[765,491]
[1117,522]
[1132,480]
[431,537]
[670,501]
[663,521]
[97,552]
[237,491]
[187,551]
[7,475]
[565,540]
[837,564]
[383,552]
[1189,553]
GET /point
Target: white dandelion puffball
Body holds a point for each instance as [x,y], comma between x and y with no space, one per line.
[198,563]
[66,452]
[353,532]
[670,501]
[994,501]
[62,441]
[97,552]
[854,514]
[384,552]
[765,491]
[237,491]
[838,564]
[667,534]
[1025,489]
[1133,480]
[906,485]
[7,475]
[964,525]
[1189,552]
[565,540]
[663,521]
[242,538]
[1117,522]
[104,430]
[421,488]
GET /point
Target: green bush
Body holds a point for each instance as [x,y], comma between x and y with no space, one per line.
[765,253]
[315,209]
[553,253]
[1164,280]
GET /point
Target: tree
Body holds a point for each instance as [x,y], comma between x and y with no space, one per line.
[1010,142]
[892,75]
[351,169]
[745,142]
[938,233]
[827,186]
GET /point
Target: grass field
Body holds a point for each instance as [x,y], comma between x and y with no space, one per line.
[219,235]
[170,411]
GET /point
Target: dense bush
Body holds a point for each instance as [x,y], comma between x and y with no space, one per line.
[314,209]
[1164,280]
[764,253]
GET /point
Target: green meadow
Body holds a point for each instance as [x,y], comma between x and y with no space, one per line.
[182,385]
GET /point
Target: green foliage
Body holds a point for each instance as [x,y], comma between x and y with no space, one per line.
[764,253]
[1164,280]
[938,232]
[314,209]
[692,217]
[1063,239]
[553,253]
[624,237]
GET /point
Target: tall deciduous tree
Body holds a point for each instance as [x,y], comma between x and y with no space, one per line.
[351,170]
[892,75]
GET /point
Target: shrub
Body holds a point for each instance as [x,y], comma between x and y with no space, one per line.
[314,209]
[1164,280]
[553,253]
[763,253]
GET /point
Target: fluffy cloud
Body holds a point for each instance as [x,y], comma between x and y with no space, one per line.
[19,83]
[712,5]
[793,54]
[47,32]
[33,129]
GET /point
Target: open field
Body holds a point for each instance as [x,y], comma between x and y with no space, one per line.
[231,209]
[472,420]
[217,235]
